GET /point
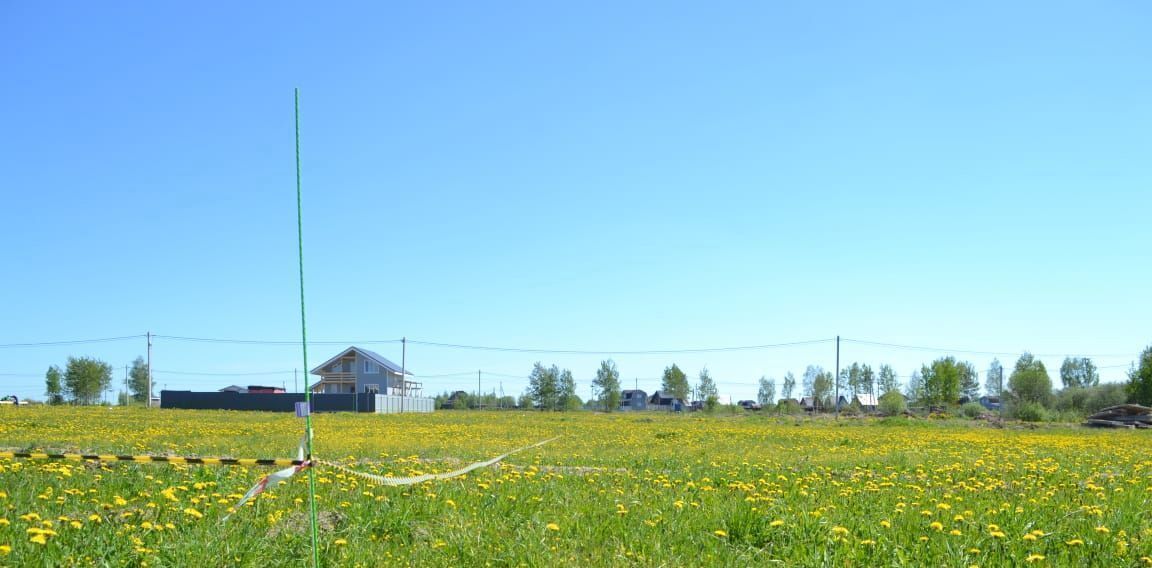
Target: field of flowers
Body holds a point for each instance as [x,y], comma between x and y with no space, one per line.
[643,489]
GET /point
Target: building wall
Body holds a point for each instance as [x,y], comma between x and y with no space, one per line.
[279,402]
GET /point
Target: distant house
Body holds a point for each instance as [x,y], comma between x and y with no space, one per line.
[257,389]
[785,402]
[633,400]
[808,404]
[357,370]
[990,402]
[663,401]
[867,402]
[252,389]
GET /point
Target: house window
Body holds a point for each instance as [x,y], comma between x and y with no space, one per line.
[371,368]
[374,389]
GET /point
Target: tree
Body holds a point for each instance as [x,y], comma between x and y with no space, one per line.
[915,388]
[887,381]
[544,386]
[1140,379]
[138,380]
[567,391]
[994,382]
[969,381]
[53,385]
[1078,373]
[941,381]
[810,375]
[789,385]
[867,379]
[706,389]
[675,382]
[607,381]
[822,387]
[1029,381]
[767,393]
[85,378]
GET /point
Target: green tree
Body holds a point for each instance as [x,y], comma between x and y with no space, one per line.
[567,391]
[1078,372]
[1029,381]
[607,381]
[85,378]
[54,385]
[138,380]
[994,382]
[809,379]
[969,381]
[914,390]
[544,386]
[766,395]
[867,379]
[787,390]
[674,382]
[1140,379]
[823,384]
[706,390]
[941,381]
[887,381]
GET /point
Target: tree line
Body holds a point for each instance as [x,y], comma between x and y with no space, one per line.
[83,380]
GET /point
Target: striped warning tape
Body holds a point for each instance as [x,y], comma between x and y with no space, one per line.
[148,459]
[394,481]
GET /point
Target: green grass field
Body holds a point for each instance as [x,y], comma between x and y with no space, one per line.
[620,489]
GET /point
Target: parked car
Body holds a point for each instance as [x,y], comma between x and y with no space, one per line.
[749,404]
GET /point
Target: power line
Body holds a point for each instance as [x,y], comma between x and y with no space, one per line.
[69,342]
[974,352]
[225,373]
[617,352]
[270,341]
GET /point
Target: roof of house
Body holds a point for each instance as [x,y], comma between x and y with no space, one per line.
[866,399]
[370,355]
[233,388]
[630,392]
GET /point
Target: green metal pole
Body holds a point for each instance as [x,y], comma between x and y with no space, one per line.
[304,347]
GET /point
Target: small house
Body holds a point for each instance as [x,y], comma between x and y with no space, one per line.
[234,388]
[357,370]
[990,402]
[665,401]
[867,402]
[633,400]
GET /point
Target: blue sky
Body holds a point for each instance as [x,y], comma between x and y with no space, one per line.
[593,176]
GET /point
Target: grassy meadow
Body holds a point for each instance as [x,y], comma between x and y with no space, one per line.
[621,489]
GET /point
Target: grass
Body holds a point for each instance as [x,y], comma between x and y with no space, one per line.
[620,489]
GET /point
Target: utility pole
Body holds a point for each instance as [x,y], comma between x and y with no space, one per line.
[478,395]
[837,377]
[148,395]
[403,371]
[295,381]
[127,397]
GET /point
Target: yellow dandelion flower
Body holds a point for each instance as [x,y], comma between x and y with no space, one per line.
[720,533]
[839,530]
[1075,542]
[552,527]
[39,539]
[193,513]
[1029,537]
[955,532]
[886,524]
[5,550]
[340,542]
[1103,530]
[776,523]
[1034,558]
[936,526]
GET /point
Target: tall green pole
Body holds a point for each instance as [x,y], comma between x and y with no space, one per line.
[304,346]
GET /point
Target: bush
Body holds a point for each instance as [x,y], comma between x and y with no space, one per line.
[1030,412]
[891,404]
[1103,396]
[788,407]
[972,409]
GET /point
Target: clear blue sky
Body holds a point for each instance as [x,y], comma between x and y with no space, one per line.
[588,176]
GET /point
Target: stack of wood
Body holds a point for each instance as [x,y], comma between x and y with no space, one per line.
[1122,416]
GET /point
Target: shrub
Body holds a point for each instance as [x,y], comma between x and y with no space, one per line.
[891,404]
[1103,396]
[788,407]
[1030,412]
[972,409]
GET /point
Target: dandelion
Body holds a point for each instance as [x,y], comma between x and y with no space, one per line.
[886,524]
[5,550]
[839,531]
[776,523]
[552,527]
[1075,542]
[39,539]
[936,526]
[955,532]
[193,513]
[1034,558]
[1029,537]
[340,542]
[1103,530]
[720,533]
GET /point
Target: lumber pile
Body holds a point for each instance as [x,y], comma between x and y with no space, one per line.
[1121,416]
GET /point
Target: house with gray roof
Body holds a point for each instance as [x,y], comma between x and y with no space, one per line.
[357,370]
